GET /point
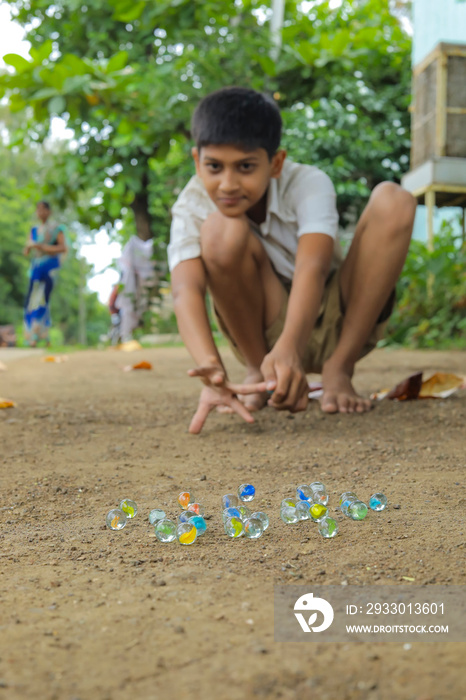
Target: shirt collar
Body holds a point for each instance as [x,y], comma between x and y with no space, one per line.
[276,206]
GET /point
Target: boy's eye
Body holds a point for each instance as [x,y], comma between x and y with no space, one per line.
[247,167]
[213,167]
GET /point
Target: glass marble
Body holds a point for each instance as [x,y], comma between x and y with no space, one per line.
[357,510]
[185,498]
[245,512]
[155,515]
[304,493]
[253,528]
[345,500]
[328,527]
[230,513]
[165,530]
[318,511]
[246,492]
[185,515]
[129,508]
[288,503]
[116,519]
[378,501]
[196,508]
[186,533]
[319,491]
[302,509]
[345,496]
[234,527]
[199,523]
[289,515]
[229,500]
[263,517]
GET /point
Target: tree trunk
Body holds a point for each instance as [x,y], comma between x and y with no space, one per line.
[142,217]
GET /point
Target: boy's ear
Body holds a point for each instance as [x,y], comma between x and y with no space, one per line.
[195,155]
[277,163]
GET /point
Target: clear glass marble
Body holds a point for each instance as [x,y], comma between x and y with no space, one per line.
[263,517]
[230,500]
[289,515]
[302,509]
[234,527]
[246,492]
[116,519]
[378,501]
[357,510]
[253,528]
[328,527]
[318,511]
[185,498]
[319,491]
[165,530]
[199,523]
[186,533]
[129,507]
[304,493]
[155,515]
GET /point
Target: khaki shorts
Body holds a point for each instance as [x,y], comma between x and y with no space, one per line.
[326,333]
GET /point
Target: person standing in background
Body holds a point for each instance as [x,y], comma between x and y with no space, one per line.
[46,244]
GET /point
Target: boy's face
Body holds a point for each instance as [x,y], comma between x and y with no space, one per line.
[236,180]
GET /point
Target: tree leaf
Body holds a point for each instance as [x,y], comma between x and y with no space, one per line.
[19,63]
[57,105]
[117,62]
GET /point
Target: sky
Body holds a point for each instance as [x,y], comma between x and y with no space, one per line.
[102,252]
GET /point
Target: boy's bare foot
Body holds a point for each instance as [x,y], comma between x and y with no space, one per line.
[254,402]
[339,395]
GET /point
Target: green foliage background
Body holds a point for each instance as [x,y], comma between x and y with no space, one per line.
[125,77]
[431,308]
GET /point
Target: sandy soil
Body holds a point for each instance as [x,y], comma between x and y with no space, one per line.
[87,613]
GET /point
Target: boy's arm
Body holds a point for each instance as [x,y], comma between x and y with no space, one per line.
[189,286]
[282,367]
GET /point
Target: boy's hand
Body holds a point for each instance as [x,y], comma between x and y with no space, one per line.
[284,375]
[219,392]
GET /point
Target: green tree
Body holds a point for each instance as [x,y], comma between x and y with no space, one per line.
[126,76]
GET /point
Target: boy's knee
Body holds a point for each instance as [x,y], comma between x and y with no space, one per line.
[223,240]
[393,203]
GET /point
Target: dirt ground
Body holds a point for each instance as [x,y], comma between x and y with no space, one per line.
[89,613]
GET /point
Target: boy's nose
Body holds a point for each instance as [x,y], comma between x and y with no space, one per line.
[229,182]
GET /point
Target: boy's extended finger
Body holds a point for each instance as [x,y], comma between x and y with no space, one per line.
[241,410]
[199,418]
[247,388]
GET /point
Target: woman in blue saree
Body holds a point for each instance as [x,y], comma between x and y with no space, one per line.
[47,243]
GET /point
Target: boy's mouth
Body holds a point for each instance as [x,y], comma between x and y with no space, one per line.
[230,201]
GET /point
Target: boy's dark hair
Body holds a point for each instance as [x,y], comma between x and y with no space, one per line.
[239,117]
[44,204]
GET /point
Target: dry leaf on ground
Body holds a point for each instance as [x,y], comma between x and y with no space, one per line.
[440,385]
[6,403]
[143,365]
[55,358]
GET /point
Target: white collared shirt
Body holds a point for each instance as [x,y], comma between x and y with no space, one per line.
[301,201]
